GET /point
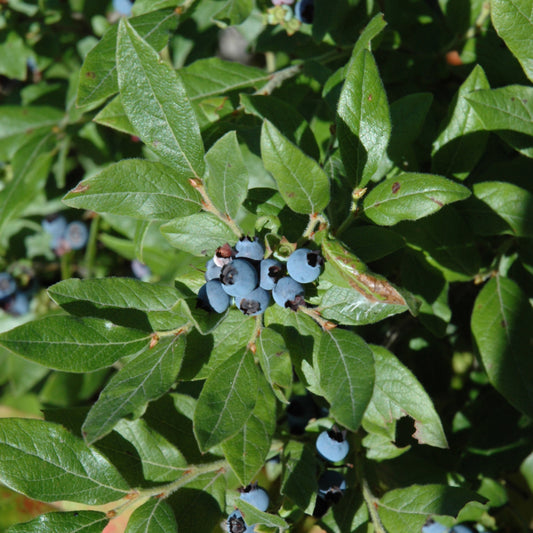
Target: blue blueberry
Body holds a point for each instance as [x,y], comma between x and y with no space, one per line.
[254,303]
[270,271]
[239,277]
[7,286]
[304,11]
[236,523]
[123,7]
[304,265]
[213,297]
[299,411]
[140,270]
[56,228]
[250,249]
[461,529]
[434,527]
[18,304]
[256,496]
[76,235]
[212,271]
[332,445]
[288,293]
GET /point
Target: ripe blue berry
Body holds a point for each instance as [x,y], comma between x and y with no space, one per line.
[255,496]
[7,286]
[250,249]
[288,293]
[212,271]
[140,270]
[304,11]
[18,304]
[123,7]
[213,297]
[304,265]
[56,228]
[331,485]
[254,303]
[332,446]
[236,523]
[239,277]
[434,527]
[270,272]
[76,235]
[461,529]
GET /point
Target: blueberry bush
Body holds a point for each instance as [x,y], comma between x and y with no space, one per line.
[267,266]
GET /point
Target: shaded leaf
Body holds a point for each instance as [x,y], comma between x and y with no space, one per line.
[154,516]
[252,515]
[501,325]
[145,378]
[65,522]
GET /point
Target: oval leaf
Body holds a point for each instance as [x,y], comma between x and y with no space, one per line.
[154,516]
[137,188]
[161,113]
[73,522]
[226,401]
[44,452]
[301,181]
[501,324]
[74,344]
[346,371]
[411,196]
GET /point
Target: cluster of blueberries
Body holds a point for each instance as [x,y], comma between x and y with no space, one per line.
[304,10]
[332,447]
[65,236]
[242,273]
[434,527]
[254,495]
[13,300]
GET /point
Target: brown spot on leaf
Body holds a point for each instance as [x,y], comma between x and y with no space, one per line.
[370,98]
[290,195]
[395,187]
[81,187]
[438,202]
[503,324]
[91,75]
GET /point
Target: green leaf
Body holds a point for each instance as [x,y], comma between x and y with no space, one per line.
[234,12]
[252,515]
[227,182]
[114,116]
[398,393]
[146,6]
[506,108]
[15,120]
[364,123]
[98,75]
[247,450]
[65,522]
[90,343]
[154,516]
[275,361]
[501,324]
[411,196]
[351,271]
[213,76]
[299,481]
[200,234]
[30,167]
[161,460]
[513,21]
[141,189]
[301,181]
[34,452]
[348,306]
[510,202]
[161,113]
[407,509]
[346,375]
[371,243]
[13,56]
[285,117]
[145,378]
[461,142]
[227,400]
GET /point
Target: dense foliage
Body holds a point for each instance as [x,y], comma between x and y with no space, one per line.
[389,142]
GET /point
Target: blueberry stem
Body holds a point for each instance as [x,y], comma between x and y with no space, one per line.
[326,325]
[314,220]
[208,206]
